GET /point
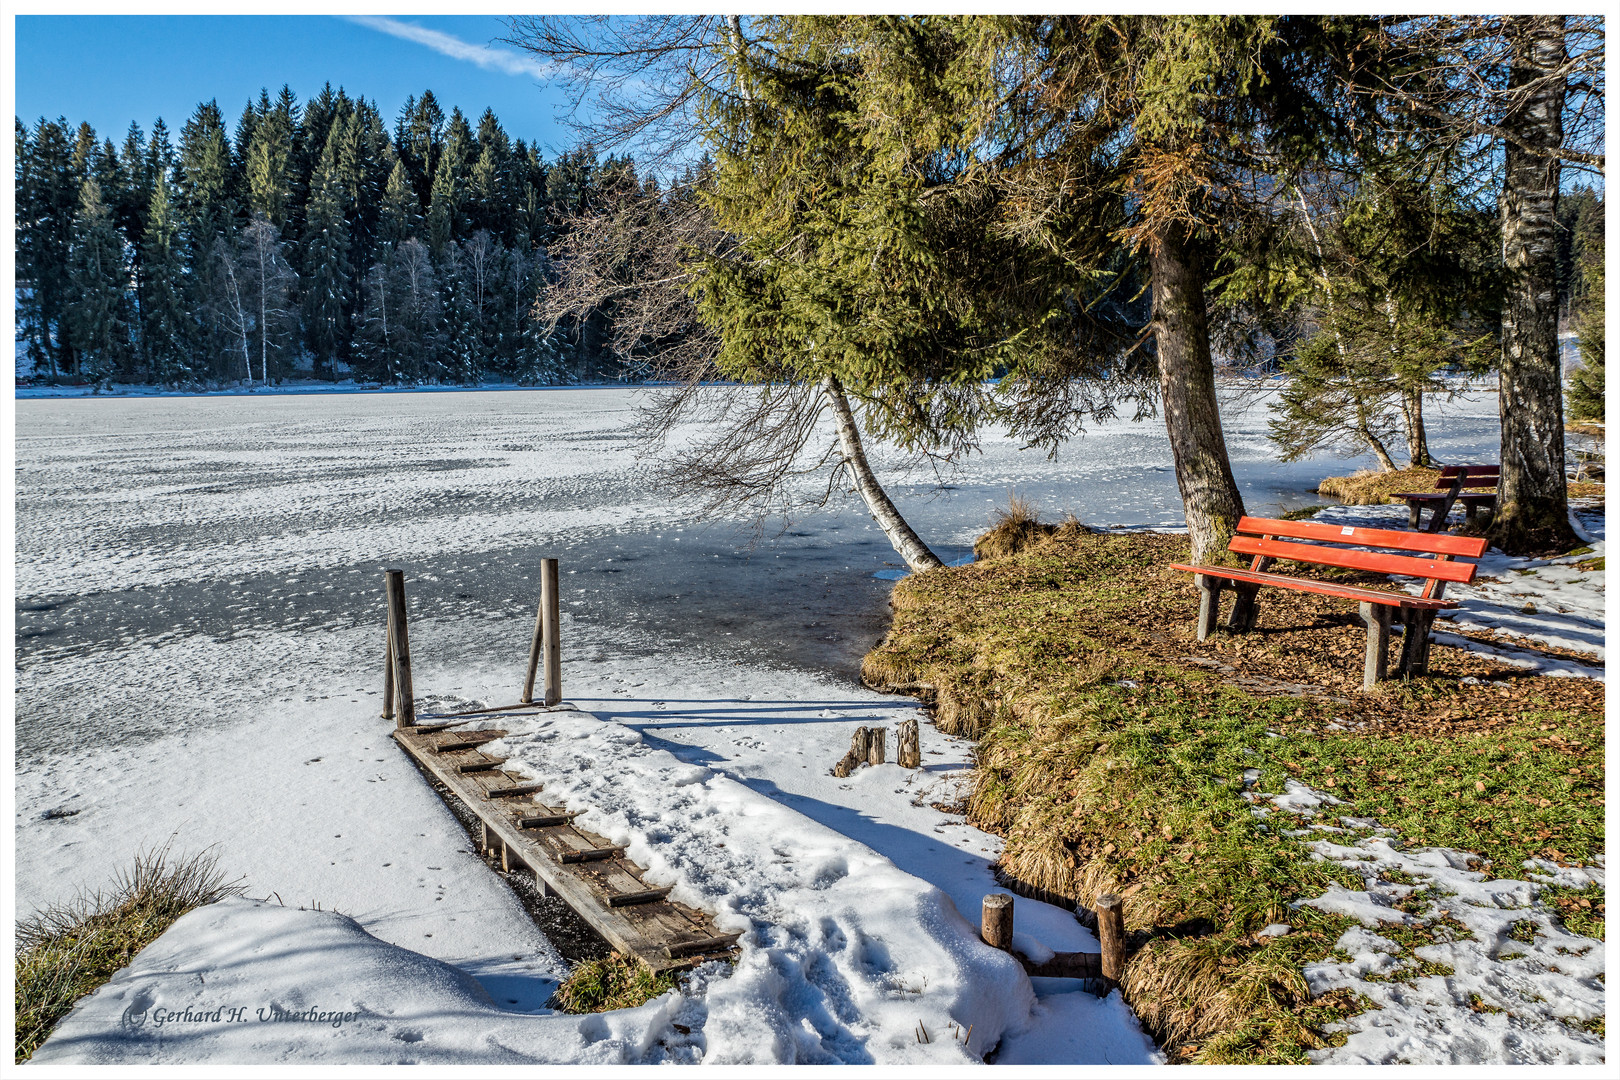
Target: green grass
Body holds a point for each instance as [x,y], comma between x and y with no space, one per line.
[1109,764]
[66,952]
[612,982]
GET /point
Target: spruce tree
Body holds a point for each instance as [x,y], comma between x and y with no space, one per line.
[99,317]
[1586,382]
[269,158]
[163,307]
[327,273]
[401,215]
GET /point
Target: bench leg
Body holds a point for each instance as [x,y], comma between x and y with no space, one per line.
[1376,616]
[1245,610]
[1414,512]
[1425,638]
[1209,604]
[1412,638]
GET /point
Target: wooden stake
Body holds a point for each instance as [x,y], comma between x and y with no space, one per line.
[546,645]
[404,694]
[1111,932]
[877,746]
[388,670]
[996,921]
[908,745]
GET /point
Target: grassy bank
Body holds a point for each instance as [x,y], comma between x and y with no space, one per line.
[1113,748]
[63,953]
[1374,488]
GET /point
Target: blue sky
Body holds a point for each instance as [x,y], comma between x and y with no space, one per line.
[111,69]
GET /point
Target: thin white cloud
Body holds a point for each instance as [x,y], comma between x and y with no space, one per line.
[489,59]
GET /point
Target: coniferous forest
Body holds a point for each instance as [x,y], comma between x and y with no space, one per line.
[308,240]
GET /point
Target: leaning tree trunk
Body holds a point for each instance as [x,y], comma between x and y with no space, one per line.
[1532,509]
[1187,383]
[900,534]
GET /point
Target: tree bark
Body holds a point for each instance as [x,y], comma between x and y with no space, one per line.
[1187,383]
[910,546]
[1417,436]
[1532,508]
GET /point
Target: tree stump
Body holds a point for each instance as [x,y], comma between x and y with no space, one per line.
[877,746]
[859,751]
[908,745]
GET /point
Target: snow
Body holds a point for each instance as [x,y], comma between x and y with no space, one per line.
[1503,1000]
[251,981]
[198,644]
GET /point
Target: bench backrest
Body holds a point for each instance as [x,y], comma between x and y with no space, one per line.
[1432,555]
[1473,476]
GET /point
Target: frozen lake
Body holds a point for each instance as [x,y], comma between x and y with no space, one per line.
[182,561]
[199,613]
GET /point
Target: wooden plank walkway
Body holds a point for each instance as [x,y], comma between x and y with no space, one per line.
[588,872]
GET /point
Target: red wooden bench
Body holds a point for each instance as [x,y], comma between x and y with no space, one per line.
[1428,556]
[1450,490]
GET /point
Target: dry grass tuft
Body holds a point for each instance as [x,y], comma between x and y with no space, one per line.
[613,982]
[1017,529]
[64,952]
[1370,488]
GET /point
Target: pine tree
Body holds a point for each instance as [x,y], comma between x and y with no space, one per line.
[401,216]
[1586,382]
[269,158]
[163,308]
[99,318]
[47,200]
[327,273]
[203,193]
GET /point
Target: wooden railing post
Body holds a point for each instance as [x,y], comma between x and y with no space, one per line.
[399,647]
[1111,933]
[388,669]
[996,921]
[546,646]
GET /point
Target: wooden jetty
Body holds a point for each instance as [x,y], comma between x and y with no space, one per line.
[588,872]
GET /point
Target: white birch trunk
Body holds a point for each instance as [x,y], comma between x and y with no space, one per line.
[905,540]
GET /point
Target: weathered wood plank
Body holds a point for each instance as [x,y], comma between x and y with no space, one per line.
[628,935]
[642,897]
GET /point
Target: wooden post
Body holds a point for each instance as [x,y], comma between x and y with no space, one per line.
[859,751]
[404,694]
[388,670]
[877,747]
[996,921]
[1376,616]
[1111,932]
[546,645]
[908,745]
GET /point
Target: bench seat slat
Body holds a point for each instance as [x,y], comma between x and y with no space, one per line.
[1353,559]
[1436,496]
[1469,547]
[1325,588]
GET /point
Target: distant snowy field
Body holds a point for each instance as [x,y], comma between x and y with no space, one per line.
[199,637]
